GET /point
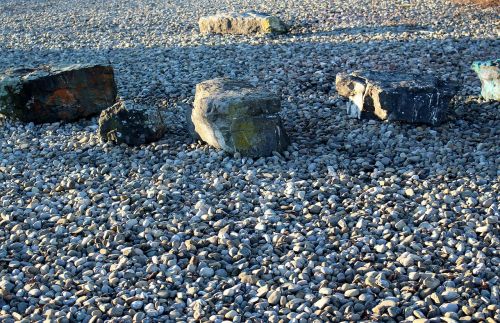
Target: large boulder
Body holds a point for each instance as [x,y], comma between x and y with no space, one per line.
[238,117]
[489,74]
[244,23]
[131,123]
[396,96]
[51,94]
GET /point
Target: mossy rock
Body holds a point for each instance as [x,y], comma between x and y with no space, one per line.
[235,116]
[250,22]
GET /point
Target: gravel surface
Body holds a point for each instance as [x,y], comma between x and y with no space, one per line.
[358,220]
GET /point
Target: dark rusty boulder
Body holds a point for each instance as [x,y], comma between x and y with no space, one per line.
[51,94]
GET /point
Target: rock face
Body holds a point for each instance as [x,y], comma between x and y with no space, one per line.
[245,23]
[238,117]
[489,74]
[396,96]
[57,94]
[131,123]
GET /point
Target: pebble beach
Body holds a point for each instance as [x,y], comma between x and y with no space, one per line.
[359,220]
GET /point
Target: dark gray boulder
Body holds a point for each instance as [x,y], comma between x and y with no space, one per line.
[396,96]
[238,117]
[131,123]
[51,94]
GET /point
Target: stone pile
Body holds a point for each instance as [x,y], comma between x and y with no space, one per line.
[51,94]
[395,96]
[238,117]
[245,23]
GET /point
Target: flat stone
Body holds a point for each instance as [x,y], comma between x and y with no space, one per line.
[242,23]
[238,117]
[274,297]
[383,306]
[131,123]
[450,296]
[395,96]
[52,94]
[137,305]
[207,272]
[322,302]
[431,282]
[448,308]
[351,293]
[407,259]
[489,74]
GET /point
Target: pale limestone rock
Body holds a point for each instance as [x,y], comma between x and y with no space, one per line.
[244,23]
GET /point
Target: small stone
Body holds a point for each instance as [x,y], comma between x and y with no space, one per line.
[450,296]
[383,306]
[260,227]
[351,293]
[322,302]
[248,278]
[274,297]
[137,305]
[231,314]
[407,259]
[325,291]
[431,282]
[207,272]
[315,209]
[409,192]
[261,291]
[449,308]
[128,251]
[393,311]
[116,311]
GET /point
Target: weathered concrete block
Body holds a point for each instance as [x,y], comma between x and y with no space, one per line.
[57,94]
[489,74]
[245,23]
[396,96]
[131,123]
[238,117]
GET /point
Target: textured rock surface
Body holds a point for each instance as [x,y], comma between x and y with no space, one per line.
[51,94]
[244,23]
[396,96]
[489,74]
[131,123]
[238,117]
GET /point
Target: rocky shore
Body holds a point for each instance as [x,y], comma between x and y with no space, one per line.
[358,220]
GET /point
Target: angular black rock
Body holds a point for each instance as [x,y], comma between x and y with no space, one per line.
[396,96]
[131,123]
[50,94]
